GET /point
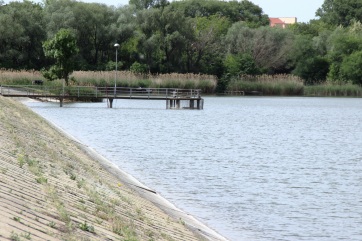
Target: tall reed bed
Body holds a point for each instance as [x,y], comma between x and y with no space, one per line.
[19,77]
[333,89]
[284,85]
[128,79]
[124,79]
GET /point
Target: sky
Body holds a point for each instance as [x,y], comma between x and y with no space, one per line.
[303,10]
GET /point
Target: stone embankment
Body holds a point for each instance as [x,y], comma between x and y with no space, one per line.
[52,189]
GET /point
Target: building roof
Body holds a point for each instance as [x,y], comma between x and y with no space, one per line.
[275,21]
[282,21]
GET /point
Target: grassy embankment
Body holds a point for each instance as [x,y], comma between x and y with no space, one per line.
[52,189]
[278,85]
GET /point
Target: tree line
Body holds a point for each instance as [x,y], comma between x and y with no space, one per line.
[222,38]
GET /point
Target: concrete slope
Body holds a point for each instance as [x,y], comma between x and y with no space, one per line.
[51,189]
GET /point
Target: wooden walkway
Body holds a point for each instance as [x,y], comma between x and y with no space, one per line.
[175,98]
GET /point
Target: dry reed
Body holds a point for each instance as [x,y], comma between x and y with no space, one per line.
[129,79]
[124,79]
[268,84]
[24,77]
[273,78]
[281,84]
[333,89]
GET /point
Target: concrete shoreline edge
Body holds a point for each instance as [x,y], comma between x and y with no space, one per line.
[193,224]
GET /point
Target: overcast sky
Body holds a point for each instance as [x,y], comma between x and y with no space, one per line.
[303,10]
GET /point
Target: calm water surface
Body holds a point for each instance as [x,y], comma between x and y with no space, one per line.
[251,168]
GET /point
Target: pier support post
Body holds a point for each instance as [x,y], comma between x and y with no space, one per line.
[110,102]
[192,104]
[172,104]
[175,104]
[61,101]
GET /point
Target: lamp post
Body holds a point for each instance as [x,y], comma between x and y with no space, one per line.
[116,45]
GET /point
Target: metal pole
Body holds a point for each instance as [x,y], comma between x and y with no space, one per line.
[115,78]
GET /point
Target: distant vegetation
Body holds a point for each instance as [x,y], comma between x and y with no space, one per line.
[285,85]
[222,41]
[207,83]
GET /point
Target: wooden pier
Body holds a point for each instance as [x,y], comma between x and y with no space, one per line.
[175,98]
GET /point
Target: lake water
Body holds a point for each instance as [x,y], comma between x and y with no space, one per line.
[252,168]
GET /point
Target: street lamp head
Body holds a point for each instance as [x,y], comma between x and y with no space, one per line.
[116,45]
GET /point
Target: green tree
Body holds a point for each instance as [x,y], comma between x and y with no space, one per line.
[321,42]
[313,28]
[62,48]
[240,64]
[94,25]
[356,28]
[269,47]
[234,11]
[340,12]
[351,68]
[309,57]
[312,70]
[22,30]
[141,4]
[95,33]
[127,35]
[146,4]
[204,48]
[138,68]
[59,14]
[342,43]
[164,35]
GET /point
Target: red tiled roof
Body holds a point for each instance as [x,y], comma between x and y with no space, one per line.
[275,21]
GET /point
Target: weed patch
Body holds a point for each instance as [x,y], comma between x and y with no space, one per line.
[87,228]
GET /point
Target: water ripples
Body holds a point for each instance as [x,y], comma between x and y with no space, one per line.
[251,168]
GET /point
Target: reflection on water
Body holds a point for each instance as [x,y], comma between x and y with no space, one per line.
[251,168]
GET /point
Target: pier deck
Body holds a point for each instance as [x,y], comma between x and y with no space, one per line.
[175,98]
